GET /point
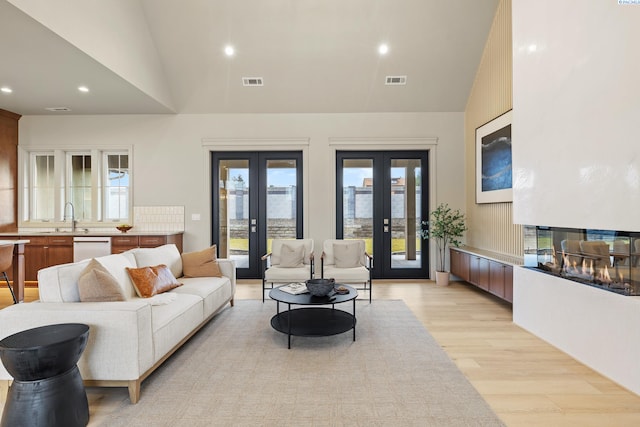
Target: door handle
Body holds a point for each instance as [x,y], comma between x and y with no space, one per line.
[385,221]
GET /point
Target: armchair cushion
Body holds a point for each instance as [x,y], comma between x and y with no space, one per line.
[276,249]
[346,255]
[292,257]
[328,250]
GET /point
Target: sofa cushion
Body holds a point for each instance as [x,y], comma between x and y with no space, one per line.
[96,284]
[215,291]
[60,282]
[152,280]
[116,264]
[201,263]
[166,254]
[171,323]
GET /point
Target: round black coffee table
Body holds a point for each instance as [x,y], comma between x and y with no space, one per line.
[47,389]
[313,321]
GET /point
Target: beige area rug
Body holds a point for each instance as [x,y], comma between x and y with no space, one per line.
[237,371]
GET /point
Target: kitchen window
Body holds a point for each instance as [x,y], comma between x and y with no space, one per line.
[97,183]
[80,186]
[117,190]
[42,187]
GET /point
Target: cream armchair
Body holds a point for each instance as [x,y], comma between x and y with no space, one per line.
[290,260]
[347,262]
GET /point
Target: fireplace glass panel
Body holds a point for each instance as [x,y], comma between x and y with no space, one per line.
[606,259]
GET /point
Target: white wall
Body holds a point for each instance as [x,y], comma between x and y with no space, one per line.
[171,153]
[589,324]
[126,48]
[576,111]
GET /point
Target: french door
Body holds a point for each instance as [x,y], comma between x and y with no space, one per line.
[381,197]
[257,196]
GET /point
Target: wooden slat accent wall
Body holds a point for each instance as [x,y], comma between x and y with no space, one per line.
[490,225]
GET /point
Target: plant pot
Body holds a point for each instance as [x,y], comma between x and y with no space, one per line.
[442,278]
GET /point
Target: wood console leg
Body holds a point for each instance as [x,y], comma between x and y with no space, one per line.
[134,391]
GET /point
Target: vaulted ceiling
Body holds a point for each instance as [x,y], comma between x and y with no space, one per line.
[167,56]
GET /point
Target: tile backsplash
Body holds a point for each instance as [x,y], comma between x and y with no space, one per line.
[158,218]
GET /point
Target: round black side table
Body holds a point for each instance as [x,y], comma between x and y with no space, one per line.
[47,389]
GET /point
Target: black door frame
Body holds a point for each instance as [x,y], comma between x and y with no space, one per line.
[382,208]
[257,201]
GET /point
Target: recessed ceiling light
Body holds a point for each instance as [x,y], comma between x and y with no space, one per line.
[383,49]
[83,89]
[229,50]
[6,89]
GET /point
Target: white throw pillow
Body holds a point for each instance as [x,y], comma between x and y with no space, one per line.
[292,257]
[347,255]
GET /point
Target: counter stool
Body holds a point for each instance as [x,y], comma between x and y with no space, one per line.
[47,388]
[6,259]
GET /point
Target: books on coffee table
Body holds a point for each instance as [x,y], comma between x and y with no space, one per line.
[294,288]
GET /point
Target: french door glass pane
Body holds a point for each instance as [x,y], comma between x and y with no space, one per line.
[406,215]
[43,188]
[80,186]
[281,200]
[234,211]
[357,194]
[117,187]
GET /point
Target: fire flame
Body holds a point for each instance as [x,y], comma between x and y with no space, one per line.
[604,275]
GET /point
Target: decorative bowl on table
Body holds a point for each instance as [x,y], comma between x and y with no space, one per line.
[124,227]
[320,287]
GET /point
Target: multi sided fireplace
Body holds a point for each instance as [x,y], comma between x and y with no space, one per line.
[609,260]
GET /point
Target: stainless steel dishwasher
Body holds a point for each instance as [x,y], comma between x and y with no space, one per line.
[86,247]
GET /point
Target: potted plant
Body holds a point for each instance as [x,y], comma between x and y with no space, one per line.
[446,227]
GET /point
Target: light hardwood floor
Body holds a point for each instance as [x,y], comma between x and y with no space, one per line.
[526,381]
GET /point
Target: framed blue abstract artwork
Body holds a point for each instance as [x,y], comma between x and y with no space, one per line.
[493,161]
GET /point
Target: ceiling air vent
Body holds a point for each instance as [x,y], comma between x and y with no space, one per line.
[396,80]
[252,81]
[57,109]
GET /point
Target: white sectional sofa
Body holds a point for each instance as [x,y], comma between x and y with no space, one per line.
[128,339]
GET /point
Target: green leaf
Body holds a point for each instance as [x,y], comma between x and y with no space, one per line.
[446,227]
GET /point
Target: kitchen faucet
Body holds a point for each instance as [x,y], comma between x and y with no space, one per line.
[73,216]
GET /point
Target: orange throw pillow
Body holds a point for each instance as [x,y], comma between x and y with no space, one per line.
[150,281]
[201,263]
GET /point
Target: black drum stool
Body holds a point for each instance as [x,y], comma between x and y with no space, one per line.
[47,388]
